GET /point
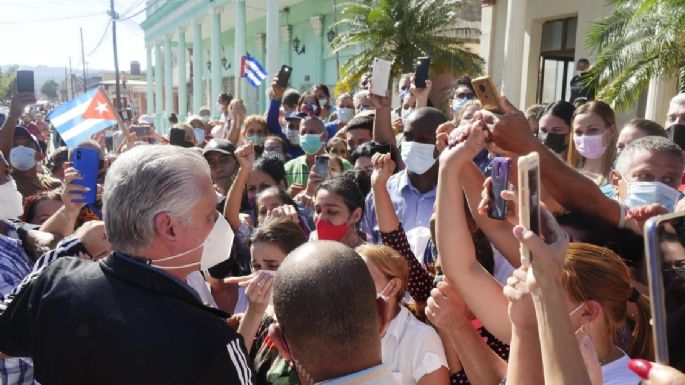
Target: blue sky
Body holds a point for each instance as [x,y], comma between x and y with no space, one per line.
[35,32]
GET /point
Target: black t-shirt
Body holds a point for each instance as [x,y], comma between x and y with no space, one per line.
[118,321]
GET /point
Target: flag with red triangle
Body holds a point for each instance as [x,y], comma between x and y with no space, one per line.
[83,116]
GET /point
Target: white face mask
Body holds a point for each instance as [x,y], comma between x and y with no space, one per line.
[10,201]
[406,113]
[217,248]
[418,157]
[643,193]
[293,137]
[23,158]
[199,134]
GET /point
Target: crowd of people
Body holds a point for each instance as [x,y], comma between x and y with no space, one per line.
[338,240]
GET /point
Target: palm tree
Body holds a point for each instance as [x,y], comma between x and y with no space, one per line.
[639,40]
[402,31]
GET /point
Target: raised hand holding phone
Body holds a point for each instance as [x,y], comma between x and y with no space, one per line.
[86,162]
[529,199]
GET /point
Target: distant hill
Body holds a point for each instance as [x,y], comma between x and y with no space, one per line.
[44,73]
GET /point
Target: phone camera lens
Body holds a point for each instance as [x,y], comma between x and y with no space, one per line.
[78,155]
[481,88]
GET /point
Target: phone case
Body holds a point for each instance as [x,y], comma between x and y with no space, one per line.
[421,74]
[380,74]
[501,167]
[284,75]
[526,164]
[487,94]
[25,81]
[85,161]
[321,166]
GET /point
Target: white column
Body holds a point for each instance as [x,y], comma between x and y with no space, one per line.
[272,54]
[159,96]
[513,51]
[197,66]
[239,46]
[661,90]
[182,82]
[316,23]
[216,88]
[168,81]
[150,96]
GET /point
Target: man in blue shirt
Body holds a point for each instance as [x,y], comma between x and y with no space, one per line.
[412,190]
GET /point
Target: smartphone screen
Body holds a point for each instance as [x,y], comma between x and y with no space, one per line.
[421,74]
[501,167]
[534,200]
[321,166]
[665,257]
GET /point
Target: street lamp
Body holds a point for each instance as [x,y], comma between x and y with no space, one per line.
[296,46]
[331,35]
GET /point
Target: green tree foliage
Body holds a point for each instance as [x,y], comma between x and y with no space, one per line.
[639,40]
[49,89]
[6,79]
[403,30]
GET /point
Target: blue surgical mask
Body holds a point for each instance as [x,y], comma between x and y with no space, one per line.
[199,134]
[643,193]
[256,139]
[418,157]
[458,104]
[345,114]
[23,158]
[310,143]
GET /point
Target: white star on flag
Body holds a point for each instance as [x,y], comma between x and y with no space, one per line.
[101,108]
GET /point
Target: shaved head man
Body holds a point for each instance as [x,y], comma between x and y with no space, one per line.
[329,318]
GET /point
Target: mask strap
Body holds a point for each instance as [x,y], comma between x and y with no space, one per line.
[576,309]
[180,255]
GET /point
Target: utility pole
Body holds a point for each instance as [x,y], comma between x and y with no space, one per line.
[66,85]
[115,16]
[83,59]
[71,79]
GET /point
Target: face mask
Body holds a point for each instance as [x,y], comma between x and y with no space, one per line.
[406,113]
[256,139]
[418,157]
[323,102]
[457,104]
[310,143]
[553,141]
[345,114]
[23,158]
[590,146]
[273,152]
[327,231]
[642,193]
[582,327]
[204,117]
[217,248]
[199,134]
[11,201]
[293,137]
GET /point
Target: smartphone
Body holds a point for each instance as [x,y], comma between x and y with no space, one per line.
[665,260]
[86,162]
[142,131]
[676,133]
[321,166]
[25,81]
[284,75]
[487,94]
[177,137]
[421,74]
[380,75]
[501,167]
[109,140]
[529,198]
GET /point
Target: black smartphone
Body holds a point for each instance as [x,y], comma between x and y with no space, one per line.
[501,167]
[142,131]
[321,166]
[109,140]
[676,133]
[421,74]
[25,81]
[284,75]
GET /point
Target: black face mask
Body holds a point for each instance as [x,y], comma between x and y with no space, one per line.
[553,141]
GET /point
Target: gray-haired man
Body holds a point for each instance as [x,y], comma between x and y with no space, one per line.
[130,318]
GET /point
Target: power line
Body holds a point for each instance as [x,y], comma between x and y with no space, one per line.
[47,20]
[102,38]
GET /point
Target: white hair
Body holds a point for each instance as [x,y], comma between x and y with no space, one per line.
[678,99]
[357,99]
[145,181]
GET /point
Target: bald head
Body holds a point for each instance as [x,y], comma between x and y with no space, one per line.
[325,302]
[422,123]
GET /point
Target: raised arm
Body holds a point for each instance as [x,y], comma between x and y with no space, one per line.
[456,250]
[63,221]
[564,184]
[382,124]
[275,97]
[392,233]
[19,101]
[238,112]
[245,156]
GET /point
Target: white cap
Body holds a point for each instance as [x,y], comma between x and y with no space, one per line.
[146,119]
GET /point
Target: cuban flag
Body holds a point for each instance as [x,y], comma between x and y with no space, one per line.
[83,117]
[252,70]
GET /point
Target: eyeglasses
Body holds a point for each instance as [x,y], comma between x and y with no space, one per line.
[465,95]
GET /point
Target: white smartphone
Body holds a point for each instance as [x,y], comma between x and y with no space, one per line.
[529,198]
[380,75]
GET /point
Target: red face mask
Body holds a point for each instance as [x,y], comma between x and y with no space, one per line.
[330,232]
